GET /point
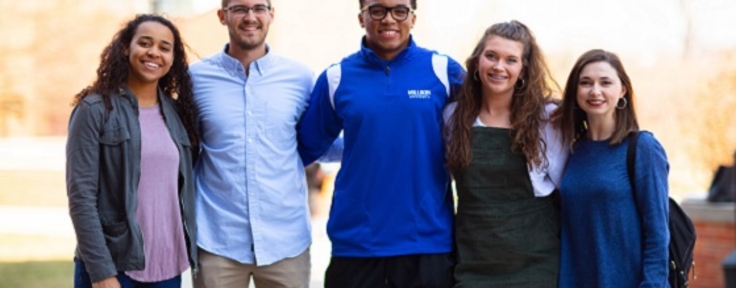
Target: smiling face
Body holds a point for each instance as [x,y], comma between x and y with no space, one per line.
[150,54]
[599,90]
[386,37]
[247,30]
[499,65]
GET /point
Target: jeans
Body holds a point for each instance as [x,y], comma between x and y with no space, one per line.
[81,279]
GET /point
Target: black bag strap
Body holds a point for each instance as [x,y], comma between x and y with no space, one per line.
[631,159]
[630,162]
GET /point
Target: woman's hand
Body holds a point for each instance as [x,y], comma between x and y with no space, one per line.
[110,282]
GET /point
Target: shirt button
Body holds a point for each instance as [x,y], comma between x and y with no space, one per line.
[249,113]
[250,140]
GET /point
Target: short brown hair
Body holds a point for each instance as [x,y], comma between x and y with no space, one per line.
[224,3]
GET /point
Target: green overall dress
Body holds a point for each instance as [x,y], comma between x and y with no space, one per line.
[505,236]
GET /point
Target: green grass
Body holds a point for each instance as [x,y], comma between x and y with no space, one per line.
[42,274]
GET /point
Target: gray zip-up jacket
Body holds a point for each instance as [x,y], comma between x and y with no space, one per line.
[103,169]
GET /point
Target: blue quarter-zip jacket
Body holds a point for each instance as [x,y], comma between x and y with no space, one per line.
[391,194]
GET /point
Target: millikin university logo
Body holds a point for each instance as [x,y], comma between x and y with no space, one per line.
[419,94]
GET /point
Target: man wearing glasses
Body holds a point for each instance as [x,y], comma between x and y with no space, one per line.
[252,207]
[391,218]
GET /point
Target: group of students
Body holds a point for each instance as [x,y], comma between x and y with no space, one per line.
[171,167]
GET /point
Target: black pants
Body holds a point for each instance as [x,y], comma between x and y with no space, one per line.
[420,271]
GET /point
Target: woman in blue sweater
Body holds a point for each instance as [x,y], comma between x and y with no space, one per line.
[611,236]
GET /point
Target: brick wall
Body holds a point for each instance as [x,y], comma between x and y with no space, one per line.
[716,239]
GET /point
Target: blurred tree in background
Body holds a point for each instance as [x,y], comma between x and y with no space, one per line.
[49,52]
[712,121]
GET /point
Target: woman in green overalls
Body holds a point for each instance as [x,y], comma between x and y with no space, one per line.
[506,159]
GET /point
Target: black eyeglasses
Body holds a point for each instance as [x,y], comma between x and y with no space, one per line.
[378,12]
[242,10]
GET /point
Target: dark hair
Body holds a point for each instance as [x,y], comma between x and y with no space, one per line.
[413,4]
[570,119]
[224,2]
[112,74]
[527,104]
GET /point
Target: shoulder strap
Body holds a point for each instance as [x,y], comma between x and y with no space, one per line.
[631,158]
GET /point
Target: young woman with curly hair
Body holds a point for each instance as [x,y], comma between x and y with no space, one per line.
[129,162]
[506,160]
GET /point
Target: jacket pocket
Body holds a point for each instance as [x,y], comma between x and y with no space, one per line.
[116,238]
[114,136]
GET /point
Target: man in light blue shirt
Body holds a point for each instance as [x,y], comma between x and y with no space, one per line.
[252,206]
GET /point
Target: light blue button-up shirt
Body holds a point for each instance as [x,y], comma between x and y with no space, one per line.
[251,188]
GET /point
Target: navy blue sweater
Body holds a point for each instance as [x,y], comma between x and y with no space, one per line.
[609,238]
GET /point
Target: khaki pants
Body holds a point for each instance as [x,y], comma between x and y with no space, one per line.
[220,272]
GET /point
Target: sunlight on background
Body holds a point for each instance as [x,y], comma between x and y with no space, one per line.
[681,55]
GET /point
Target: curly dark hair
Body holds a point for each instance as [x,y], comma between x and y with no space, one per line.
[570,119]
[114,70]
[532,92]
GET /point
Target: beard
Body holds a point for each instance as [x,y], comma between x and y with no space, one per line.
[247,43]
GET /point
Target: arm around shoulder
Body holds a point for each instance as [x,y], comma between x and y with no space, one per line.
[556,151]
[456,73]
[320,124]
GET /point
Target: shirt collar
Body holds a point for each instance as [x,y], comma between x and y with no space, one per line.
[260,66]
[373,57]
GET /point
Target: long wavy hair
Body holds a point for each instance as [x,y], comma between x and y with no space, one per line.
[114,69]
[572,121]
[531,93]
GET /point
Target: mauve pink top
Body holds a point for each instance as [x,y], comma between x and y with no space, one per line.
[158,202]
